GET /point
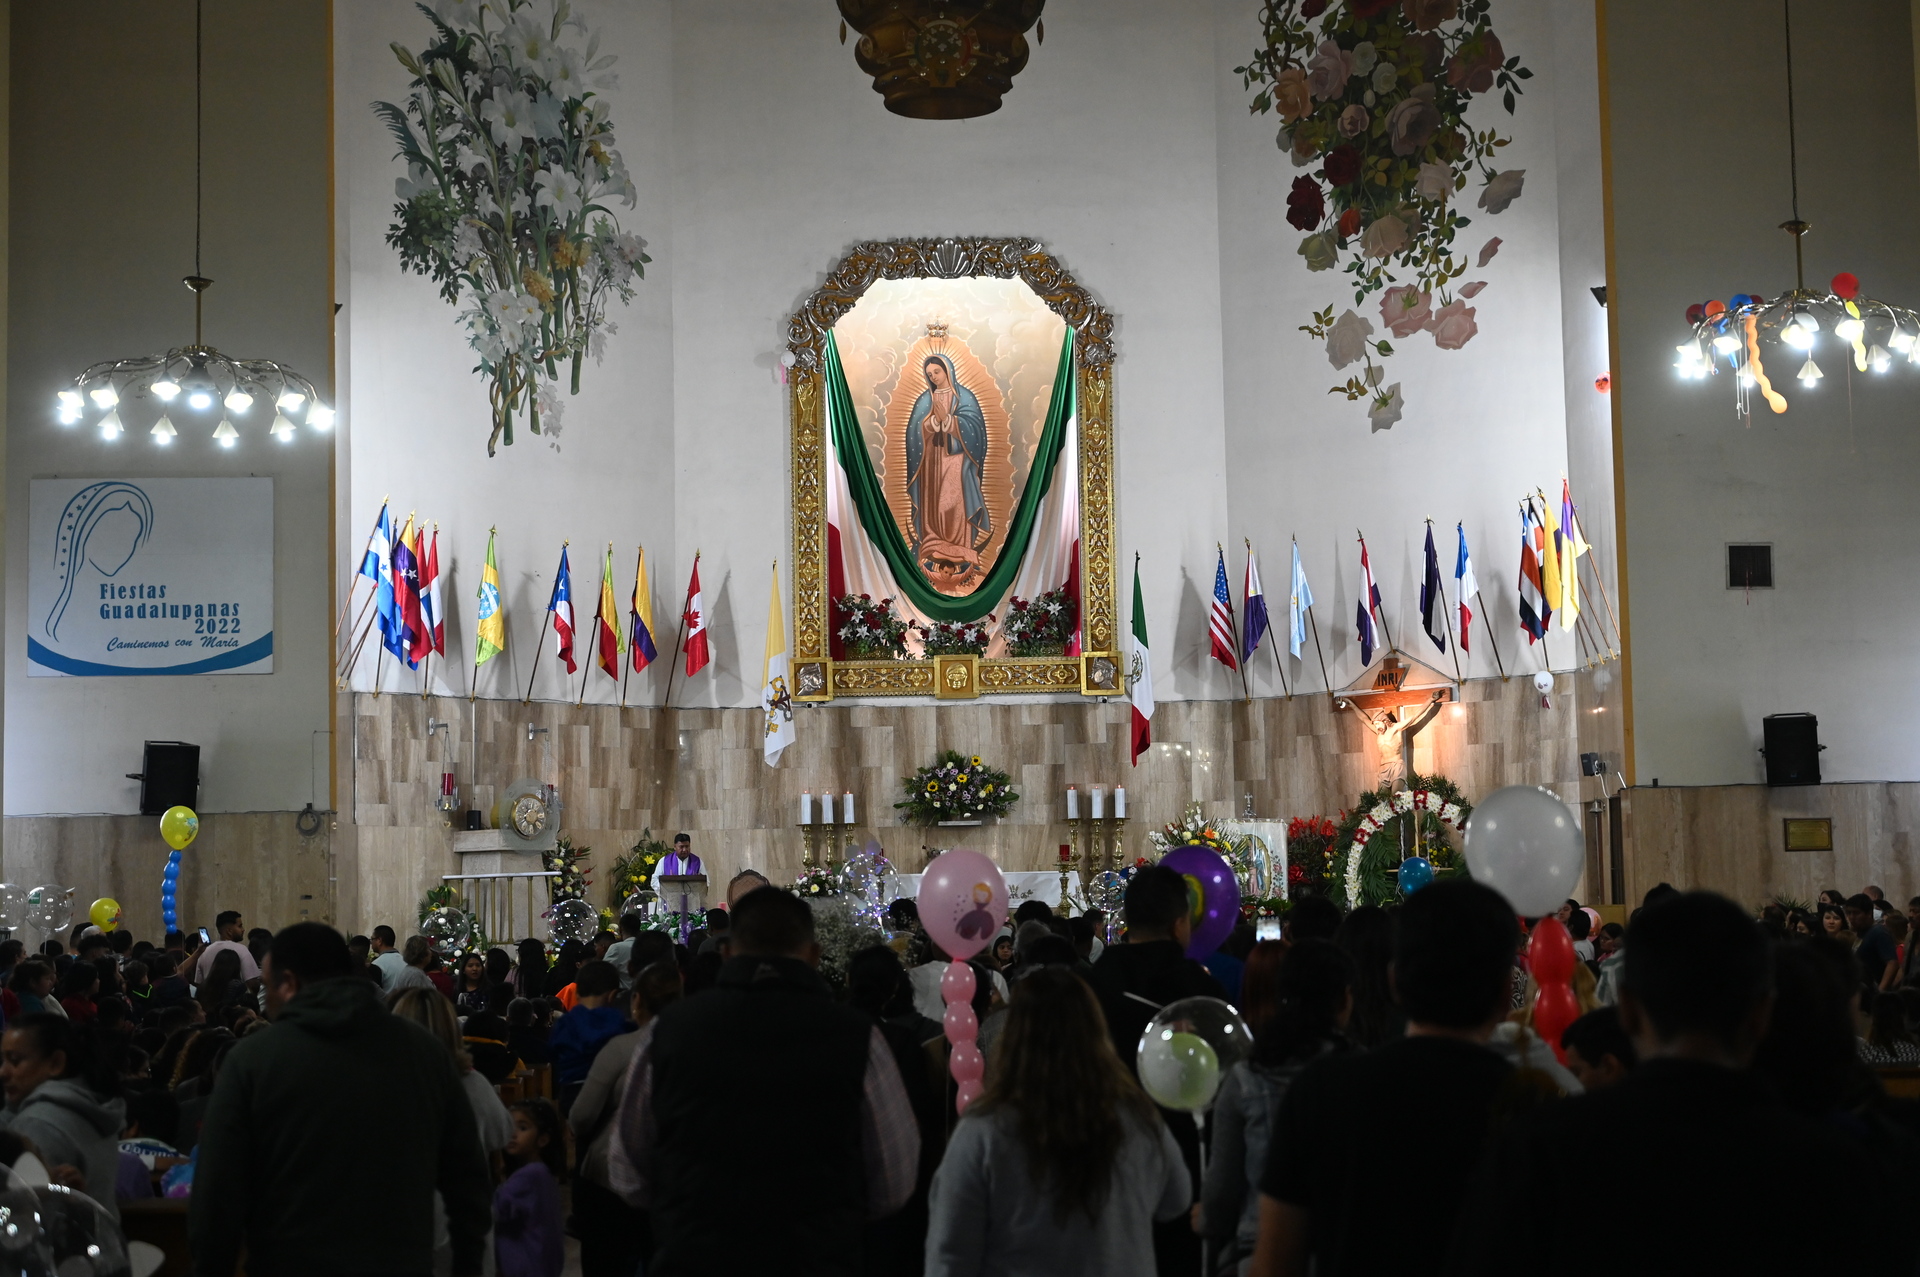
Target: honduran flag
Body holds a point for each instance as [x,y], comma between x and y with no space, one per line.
[561,606]
[1368,605]
[695,617]
[1534,612]
[1220,615]
[1253,604]
[642,617]
[1466,585]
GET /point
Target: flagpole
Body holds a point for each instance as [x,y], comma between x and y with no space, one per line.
[1488,622]
[359,643]
[673,666]
[1600,580]
[1453,643]
[1233,628]
[626,675]
[379,664]
[360,617]
[1380,611]
[346,602]
[547,621]
[1318,650]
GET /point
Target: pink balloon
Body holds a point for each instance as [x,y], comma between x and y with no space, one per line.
[963,901]
[961,1024]
[957,983]
[967,1063]
[965,1094]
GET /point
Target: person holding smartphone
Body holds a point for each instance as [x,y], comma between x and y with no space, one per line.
[233,933]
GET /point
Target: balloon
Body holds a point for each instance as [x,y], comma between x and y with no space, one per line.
[1213,896]
[1415,873]
[967,1093]
[13,906]
[960,1023]
[1846,285]
[573,919]
[1107,892]
[957,983]
[172,872]
[179,826]
[967,1063]
[1716,308]
[963,901]
[1525,844]
[104,913]
[1550,953]
[1554,1008]
[640,902]
[1696,313]
[449,929]
[49,909]
[1185,1049]
[77,1236]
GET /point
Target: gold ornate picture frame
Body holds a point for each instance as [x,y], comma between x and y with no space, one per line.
[818,676]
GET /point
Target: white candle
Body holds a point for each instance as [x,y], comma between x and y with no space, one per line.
[1073,803]
[1120,803]
[1099,802]
[806,806]
[849,806]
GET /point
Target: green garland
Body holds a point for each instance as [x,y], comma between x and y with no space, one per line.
[1382,851]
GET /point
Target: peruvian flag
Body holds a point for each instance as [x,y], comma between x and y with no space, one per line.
[430,614]
[695,617]
[561,606]
[1141,690]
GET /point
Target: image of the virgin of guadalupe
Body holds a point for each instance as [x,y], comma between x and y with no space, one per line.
[946,443]
[977,923]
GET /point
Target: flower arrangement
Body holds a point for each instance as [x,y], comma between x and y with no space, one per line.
[571,863]
[818,883]
[1041,626]
[1422,814]
[1194,829]
[1376,92]
[634,871]
[955,638]
[870,630]
[956,787]
[1310,863]
[1254,907]
[841,932]
[511,165]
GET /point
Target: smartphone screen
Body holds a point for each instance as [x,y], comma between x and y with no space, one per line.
[1266,929]
[204,937]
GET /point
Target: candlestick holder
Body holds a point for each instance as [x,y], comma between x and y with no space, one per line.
[1061,909]
[1116,829]
[806,847]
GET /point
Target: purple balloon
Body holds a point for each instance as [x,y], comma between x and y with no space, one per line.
[1210,878]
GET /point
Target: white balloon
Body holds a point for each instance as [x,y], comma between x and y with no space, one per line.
[1527,845]
[1543,682]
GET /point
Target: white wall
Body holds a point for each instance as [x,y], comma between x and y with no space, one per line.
[1700,185]
[102,207]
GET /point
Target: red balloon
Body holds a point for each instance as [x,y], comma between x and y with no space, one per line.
[1846,285]
[1553,1010]
[1696,313]
[960,1023]
[1550,953]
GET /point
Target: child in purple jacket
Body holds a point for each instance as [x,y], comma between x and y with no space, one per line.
[527,1212]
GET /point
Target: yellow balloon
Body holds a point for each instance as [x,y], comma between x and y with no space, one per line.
[179,827]
[105,913]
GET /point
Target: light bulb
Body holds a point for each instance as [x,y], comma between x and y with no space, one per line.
[320,417]
[1746,376]
[225,435]
[282,429]
[1797,337]
[165,389]
[1849,329]
[1878,359]
[238,400]
[200,401]
[290,400]
[1808,320]
[1901,342]
[1726,343]
[104,396]
[1809,373]
[110,427]
[70,401]
[163,431]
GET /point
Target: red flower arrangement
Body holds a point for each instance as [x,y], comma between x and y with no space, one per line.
[1305,204]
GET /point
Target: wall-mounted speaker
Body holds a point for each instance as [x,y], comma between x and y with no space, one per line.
[169,776]
[1792,748]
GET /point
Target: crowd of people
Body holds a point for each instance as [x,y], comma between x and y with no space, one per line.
[718,1106]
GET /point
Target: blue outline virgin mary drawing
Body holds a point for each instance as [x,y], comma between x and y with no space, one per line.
[104,524]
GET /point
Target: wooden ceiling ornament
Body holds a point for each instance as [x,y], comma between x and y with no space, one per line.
[941,59]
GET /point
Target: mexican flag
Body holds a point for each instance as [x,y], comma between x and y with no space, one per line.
[1142,674]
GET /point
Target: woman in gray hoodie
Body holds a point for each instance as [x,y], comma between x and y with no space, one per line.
[63,1094]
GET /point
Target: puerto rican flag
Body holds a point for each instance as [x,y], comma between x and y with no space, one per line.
[1369,604]
[1220,615]
[696,620]
[561,606]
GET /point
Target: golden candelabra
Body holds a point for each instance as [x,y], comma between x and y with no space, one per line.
[806,846]
[832,838]
[1104,837]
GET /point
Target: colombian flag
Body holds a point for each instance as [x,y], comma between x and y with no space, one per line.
[642,617]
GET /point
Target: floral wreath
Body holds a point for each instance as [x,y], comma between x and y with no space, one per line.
[1452,814]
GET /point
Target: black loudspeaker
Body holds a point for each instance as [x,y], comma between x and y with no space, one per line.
[1792,749]
[169,776]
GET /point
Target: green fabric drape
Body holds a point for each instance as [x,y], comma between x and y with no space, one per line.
[876,516]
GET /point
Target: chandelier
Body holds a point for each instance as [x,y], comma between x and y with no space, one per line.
[196,377]
[1756,339]
[941,59]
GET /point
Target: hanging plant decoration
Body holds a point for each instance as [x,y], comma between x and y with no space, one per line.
[511,165]
[1370,835]
[1376,94]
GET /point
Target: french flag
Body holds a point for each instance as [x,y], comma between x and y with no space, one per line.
[561,606]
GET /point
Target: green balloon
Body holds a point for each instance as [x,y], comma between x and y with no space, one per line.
[1180,1070]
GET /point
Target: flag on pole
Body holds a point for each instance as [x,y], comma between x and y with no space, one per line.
[1433,603]
[1297,606]
[379,548]
[386,598]
[1369,603]
[561,605]
[1466,585]
[1534,612]
[1141,689]
[1571,548]
[642,617]
[606,619]
[1253,604]
[430,614]
[696,619]
[1546,555]
[775,698]
[407,638]
[1220,615]
[490,628]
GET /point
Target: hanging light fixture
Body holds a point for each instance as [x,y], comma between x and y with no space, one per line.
[193,377]
[1743,335]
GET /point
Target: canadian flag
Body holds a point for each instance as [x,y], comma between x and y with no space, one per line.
[696,620]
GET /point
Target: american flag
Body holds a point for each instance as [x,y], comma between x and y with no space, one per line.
[1220,617]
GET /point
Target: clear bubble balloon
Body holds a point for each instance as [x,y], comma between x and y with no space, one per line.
[574,919]
[640,902]
[448,929]
[49,908]
[13,906]
[1107,892]
[1186,1050]
[78,1235]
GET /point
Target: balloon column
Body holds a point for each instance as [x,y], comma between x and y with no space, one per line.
[1213,896]
[179,826]
[1525,844]
[962,901]
[1550,958]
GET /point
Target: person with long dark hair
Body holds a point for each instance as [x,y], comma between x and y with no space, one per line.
[1366,936]
[473,988]
[1062,1163]
[530,974]
[1312,1004]
[63,1093]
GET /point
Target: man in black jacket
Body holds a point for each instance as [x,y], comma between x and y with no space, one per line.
[1134,980]
[340,1112]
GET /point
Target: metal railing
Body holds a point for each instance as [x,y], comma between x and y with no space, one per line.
[505,905]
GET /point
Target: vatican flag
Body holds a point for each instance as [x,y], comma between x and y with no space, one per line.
[776,698]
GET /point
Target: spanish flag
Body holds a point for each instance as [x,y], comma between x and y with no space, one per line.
[490,633]
[607,618]
[642,616]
